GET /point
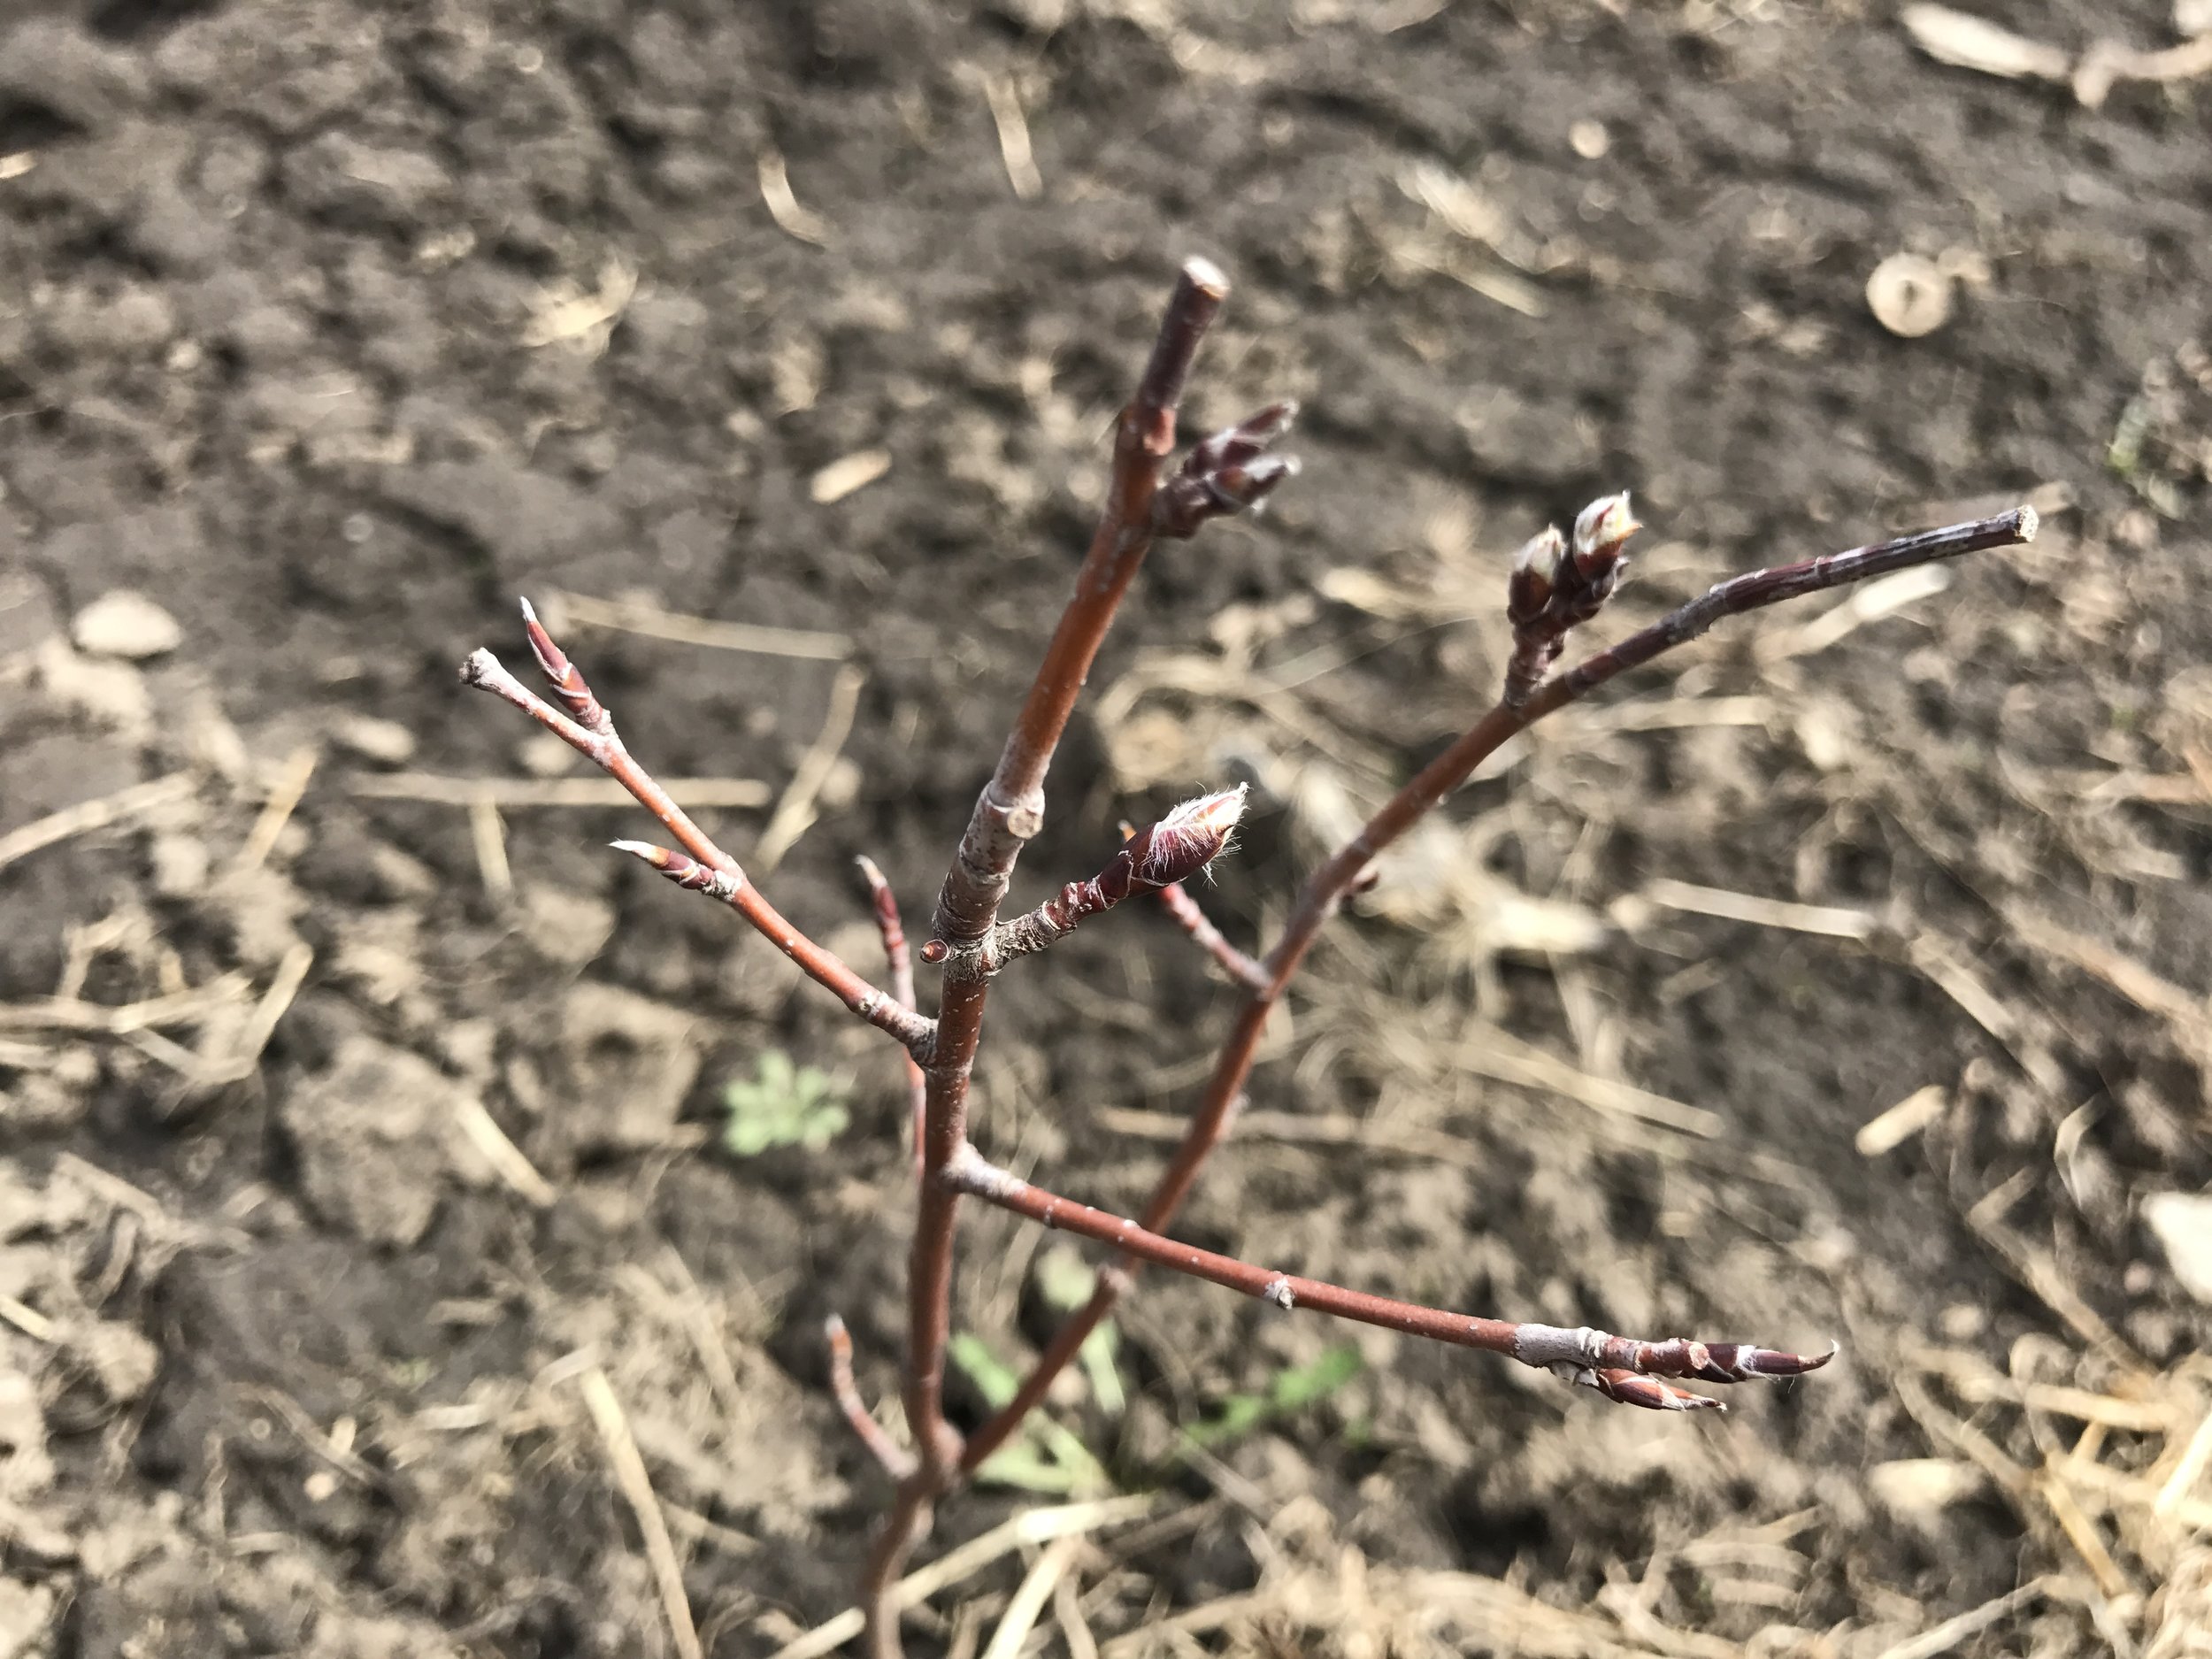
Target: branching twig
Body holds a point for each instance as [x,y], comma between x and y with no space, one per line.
[589,729]
[1007,815]
[1620,1368]
[1328,885]
[1558,584]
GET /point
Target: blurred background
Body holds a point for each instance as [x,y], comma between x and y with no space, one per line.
[383,1154]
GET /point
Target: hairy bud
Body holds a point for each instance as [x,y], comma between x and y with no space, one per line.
[1186,839]
[1535,569]
[1602,529]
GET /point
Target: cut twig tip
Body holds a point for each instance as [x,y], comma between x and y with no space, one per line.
[2029,522]
[1203,274]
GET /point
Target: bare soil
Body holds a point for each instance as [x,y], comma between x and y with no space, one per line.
[332,328]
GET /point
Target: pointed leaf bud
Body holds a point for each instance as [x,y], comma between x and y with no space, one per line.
[684,871]
[568,684]
[1228,473]
[1186,839]
[1244,487]
[1601,530]
[1535,568]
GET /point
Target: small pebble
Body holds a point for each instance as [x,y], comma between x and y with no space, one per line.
[1910,297]
[125,623]
[1589,140]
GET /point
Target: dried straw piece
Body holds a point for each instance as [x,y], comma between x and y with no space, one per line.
[86,816]
[637,1487]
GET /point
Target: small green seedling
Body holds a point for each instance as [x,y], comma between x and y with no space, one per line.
[1040,1456]
[1292,1390]
[783,1106]
[1066,1281]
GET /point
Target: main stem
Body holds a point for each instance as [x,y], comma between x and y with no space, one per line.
[1007,815]
[1327,889]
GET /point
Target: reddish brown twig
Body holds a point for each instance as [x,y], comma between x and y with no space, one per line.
[1007,815]
[1621,1368]
[1328,885]
[1558,584]
[902,961]
[589,729]
[897,1462]
[1246,970]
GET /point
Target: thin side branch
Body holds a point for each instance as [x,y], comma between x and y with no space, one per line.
[901,962]
[897,1462]
[1342,871]
[589,729]
[1622,1369]
[1245,970]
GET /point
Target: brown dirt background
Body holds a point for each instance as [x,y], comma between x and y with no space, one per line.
[288,1368]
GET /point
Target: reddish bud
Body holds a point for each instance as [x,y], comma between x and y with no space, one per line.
[1628,1388]
[567,682]
[1228,473]
[1602,529]
[1186,839]
[683,870]
[1535,569]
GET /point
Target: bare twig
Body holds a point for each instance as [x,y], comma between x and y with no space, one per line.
[901,963]
[1242,970]
[1620,1368]
[1008,814]
[897,1462]
[589,729]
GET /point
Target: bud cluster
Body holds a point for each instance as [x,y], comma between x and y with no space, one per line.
[1557,584]
[1229,472]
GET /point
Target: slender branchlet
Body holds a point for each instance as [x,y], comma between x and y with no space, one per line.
[901,963]
[1353,863]
[1192,918]
[1623,1369]
[702,865]
[897,1462]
